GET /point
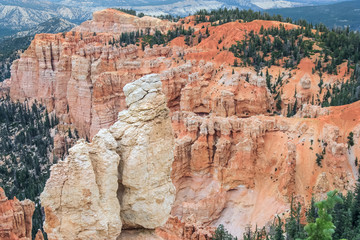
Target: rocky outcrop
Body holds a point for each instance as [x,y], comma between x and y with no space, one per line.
[305,82]
[175,229]
[145,141]
[5,88]
[81,79]
[115,21]
[139,235]
[15,218]
[80,197]
[233,157]
[311,111]
[80,76]
[230,96]
[39,235]
[228,169]
[122,178]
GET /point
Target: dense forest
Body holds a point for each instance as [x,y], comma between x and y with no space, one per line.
[224,15]
[272,46]
[148,39]
[26,145]
[286,47]
[338,44]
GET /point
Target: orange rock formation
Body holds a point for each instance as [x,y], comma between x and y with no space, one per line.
[235,163]
[15,218]
[111,20]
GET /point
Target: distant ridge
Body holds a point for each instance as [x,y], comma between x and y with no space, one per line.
[22,15]
[333,15]
[11,46]
[53,25]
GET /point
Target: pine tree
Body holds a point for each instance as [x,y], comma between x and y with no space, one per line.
[279,232]
[350,139]
[261,30]
[235,62]
[293,227]
[222,234]
[47,120]
[311,213]
[343,218]
[278,104]
[76,133]
[288,113]
[294,110]
[356,205]
[319,158]
[324,228]
[268,80]
[69,133]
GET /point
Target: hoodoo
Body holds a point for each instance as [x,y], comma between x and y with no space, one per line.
[15,218]
[119,180]
[206,121]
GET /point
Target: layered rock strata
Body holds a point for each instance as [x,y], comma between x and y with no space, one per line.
[15,218]
[233,159]
[121,179]
[80,77]
[112,20]
[228,170]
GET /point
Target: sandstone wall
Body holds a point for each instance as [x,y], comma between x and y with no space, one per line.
[230,170]
[111,20]
[80,76]
[232,158]
[121,179]
[15,218]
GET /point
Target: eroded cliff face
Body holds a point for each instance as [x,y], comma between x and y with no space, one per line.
[230,170]
[15,218]
[233,158]
[119,180]
[80,197]
[81,77]
[111,20]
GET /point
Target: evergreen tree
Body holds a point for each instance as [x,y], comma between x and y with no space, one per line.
[356,205]
[268,80]
[323,228]
[311,213]
[235,62]
[222,234]
[294,228]
[350,139]
[294,110]
[69,133]
[279,232]
[342,218]
[247,79]
[47,120]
